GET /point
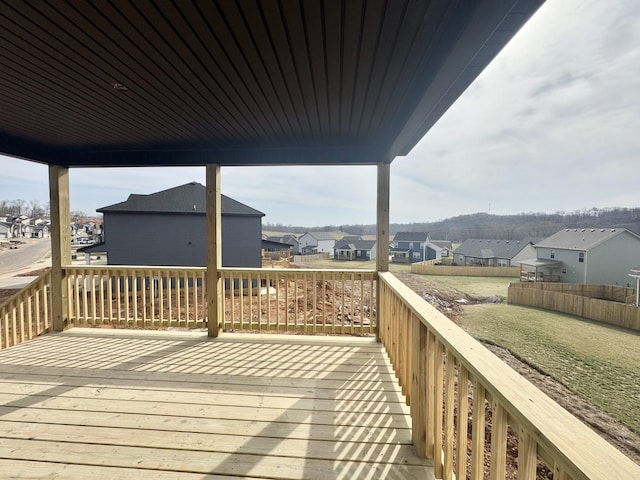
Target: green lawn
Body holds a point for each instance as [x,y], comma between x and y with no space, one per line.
[598,362]
[355,264]
[480,287]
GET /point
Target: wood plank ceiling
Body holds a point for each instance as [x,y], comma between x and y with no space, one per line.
[92,83]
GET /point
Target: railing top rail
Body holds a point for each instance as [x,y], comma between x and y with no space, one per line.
[133,267]
[581,451]
[297,270]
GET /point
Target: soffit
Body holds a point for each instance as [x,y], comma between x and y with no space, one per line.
[237,82]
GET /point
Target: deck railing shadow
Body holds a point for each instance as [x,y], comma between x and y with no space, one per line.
[302,430]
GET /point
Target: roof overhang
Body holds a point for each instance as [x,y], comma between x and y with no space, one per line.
[540,262]
[129,83]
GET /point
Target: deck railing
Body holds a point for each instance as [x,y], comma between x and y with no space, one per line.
[451,381]
[300,300]
[137,297]
[305,301]
[26,314]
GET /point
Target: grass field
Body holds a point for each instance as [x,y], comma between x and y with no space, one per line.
[598,362]
[357,264]
[480,287]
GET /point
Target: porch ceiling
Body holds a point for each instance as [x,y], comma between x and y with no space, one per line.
[238,83]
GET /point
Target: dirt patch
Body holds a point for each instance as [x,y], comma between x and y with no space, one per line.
[449,302]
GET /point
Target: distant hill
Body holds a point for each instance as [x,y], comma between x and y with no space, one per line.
[507,227]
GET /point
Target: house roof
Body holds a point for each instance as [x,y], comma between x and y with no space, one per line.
[184,199]
[582,239]
[411,237]
[442,243]
[128,83]
[490,248]
[355,244]
[326,235]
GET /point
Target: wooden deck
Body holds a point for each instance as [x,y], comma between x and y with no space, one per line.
[124,404]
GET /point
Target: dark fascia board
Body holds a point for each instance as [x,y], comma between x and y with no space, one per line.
[180,157]
[30,150]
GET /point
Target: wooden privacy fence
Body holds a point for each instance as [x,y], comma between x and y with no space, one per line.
[579,301]
[301,300]
[26,314]
[430,268]
[614,293]
[454,386]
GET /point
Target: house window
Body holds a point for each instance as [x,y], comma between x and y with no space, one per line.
[553,254]
[416,254]
[358,253]
[580,257]
[410,244]
[564,269]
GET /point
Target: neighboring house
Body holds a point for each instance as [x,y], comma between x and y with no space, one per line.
[319,242]
[436,249]
[6,230]
[273,246]
[410,247]
[350,248]
[586,255]
[493,253]
[288,239]
[39,231]
[168,228]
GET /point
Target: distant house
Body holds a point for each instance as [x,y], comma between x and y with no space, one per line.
[289,239]
[350,248]
[168,228]
[493,253]
[319,242]
[586,255]
[436,249]
[39,231]
[410,247]
[6,230]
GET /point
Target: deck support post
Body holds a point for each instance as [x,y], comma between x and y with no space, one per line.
[214,250]
[60,244]
[382,232]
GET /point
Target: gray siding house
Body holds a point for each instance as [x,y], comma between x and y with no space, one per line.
[588,255]
[318,242]
[350,248]
[410,247]
[167,228]
[493,253]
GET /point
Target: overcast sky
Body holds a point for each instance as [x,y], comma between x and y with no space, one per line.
[553,124]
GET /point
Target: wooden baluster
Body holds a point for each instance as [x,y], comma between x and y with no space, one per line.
[449,407]
[463,415]
[499,424]
[527,456]
[438,408]
[419,386]
[478,429]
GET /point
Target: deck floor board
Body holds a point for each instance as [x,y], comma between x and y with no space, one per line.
[128,404]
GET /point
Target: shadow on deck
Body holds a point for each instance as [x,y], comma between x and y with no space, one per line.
[107,404]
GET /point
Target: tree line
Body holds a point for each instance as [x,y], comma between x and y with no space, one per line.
[503,227]
[33,209]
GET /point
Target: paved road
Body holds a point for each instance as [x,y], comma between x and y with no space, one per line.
[29,255]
